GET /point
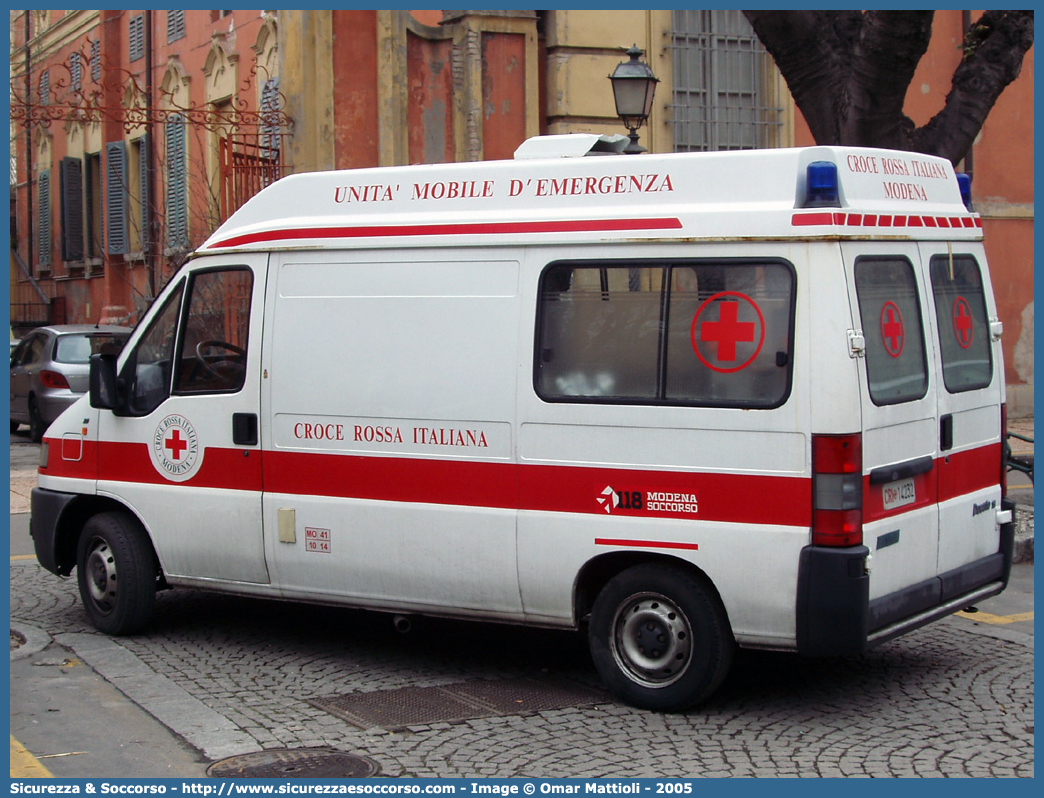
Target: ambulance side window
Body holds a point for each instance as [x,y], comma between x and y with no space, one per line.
[213,345]
[896,366]
[713,333]
[148,370]
[964,330]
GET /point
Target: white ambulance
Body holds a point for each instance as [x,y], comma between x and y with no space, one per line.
[686,401]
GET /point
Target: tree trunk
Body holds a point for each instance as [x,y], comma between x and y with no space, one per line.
[849,72]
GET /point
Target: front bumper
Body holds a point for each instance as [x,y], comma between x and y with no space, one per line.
[45,522]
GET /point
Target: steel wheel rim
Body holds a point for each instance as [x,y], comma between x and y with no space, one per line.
[652,639]
[100,573]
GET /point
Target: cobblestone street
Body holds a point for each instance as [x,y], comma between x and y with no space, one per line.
[954,699]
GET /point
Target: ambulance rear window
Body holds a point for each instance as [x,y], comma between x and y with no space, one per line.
[964,331]
[890,312]
[688,332]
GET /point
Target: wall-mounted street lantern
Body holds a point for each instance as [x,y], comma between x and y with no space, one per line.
[633,87]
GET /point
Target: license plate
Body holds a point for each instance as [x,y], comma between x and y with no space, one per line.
[898,494]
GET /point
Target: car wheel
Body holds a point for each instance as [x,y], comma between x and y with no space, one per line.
[660,637]
[14,426]
[37,426]
[116,572]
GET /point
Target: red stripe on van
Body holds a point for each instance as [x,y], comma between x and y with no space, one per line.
[733,498]
[968,471]
[740,498]
[951,477]
[646,544]
[810,219]
[474,228]
[564,489]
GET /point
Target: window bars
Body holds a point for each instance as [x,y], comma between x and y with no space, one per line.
[727,90]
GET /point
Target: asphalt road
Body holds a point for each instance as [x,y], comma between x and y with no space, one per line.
[220,676]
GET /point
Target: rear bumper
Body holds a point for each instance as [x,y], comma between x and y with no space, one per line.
[836,617]
[55,403]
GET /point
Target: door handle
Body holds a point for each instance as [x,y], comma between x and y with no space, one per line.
[946,432]
[244,429]
[911,468]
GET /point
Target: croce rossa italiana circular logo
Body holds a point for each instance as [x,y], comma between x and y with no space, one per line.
[175,448]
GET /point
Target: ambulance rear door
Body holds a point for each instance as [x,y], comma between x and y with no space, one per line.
[900,429]
[968,377]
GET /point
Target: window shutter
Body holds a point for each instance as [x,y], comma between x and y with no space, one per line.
[91,213]
[137,37]
[175,26]
[270,119]
[116,196]
[43,197]
[177,188]
[96,60]
[71,187]
[75,71]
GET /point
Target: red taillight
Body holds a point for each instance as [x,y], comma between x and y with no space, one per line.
[837,490]
[52,379]
[1005,451]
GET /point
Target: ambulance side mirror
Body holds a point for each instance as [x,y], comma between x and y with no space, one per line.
[103,382]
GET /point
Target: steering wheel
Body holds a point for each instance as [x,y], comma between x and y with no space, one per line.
[214,344]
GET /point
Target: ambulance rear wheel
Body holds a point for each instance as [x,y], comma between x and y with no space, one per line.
[660,637]
[116,571]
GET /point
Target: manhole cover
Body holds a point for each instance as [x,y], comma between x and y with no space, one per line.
[395,710]
[302,763]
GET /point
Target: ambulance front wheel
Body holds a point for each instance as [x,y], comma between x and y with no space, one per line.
[116,570]
[660,637]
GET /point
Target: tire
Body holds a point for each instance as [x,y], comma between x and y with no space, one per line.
[660,637]
[116,571]
[37,426]
[14,426]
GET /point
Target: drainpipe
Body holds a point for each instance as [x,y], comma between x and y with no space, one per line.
[969,157]
[28,148]
[149,233]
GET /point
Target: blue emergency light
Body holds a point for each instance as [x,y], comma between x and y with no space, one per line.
[821,185]
[964,183]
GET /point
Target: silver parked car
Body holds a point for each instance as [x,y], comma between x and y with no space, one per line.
[50,369]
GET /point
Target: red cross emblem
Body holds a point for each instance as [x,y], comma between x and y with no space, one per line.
[892,330]
[722,338]
[175,444]
[962,322]
[176,452]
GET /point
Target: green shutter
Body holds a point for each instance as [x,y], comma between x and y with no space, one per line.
[43,197]
[177,187]
[136,32]
[116,196]
[93,247]
[70,178]
[175,26]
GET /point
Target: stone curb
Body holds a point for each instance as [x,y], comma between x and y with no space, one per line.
[188,717]
[36,639]
[1023,534]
